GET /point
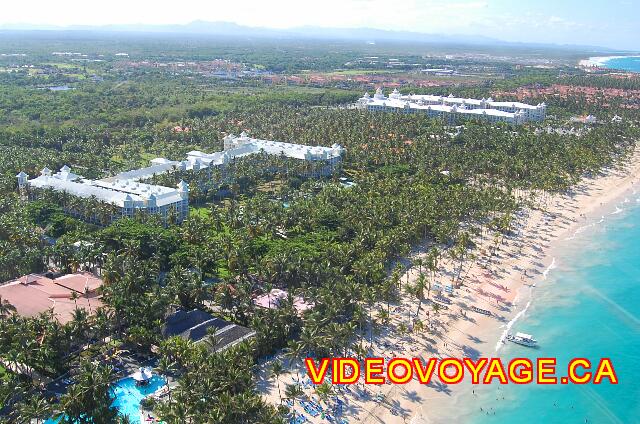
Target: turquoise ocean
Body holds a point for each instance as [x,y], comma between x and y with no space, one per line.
[629,63]
[587,305]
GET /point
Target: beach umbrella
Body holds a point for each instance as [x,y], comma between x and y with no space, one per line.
[144,374]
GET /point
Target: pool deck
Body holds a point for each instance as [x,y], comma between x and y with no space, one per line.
[159,394]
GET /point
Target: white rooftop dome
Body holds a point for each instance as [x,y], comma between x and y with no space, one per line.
[183,186]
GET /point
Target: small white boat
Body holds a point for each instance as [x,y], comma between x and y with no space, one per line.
[522,339]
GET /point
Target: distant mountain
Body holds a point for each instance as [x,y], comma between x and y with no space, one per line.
[372,34]
[230,29]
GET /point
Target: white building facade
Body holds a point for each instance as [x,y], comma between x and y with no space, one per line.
[127,195]
[130,196]
[452,109]
[327,158]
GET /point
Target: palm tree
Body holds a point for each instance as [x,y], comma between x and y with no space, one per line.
[6,308]
[435,307]
[294,351]
[35,408]
[418,291]
[432,266]
[276,370]
[293,392]
[459,253]
[324,391]
[90,398]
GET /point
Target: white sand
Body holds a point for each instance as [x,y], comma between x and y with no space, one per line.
[599,61]
[486,279]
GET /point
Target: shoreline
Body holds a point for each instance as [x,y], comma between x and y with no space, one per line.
[601,61]
[597,198]
[503,284]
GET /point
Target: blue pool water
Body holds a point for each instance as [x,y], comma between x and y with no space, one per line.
[128,396]
[629,63]
[589,306]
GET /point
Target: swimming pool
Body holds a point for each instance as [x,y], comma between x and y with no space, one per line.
[128,396]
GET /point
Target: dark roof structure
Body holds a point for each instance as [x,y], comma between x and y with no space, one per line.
[195,325]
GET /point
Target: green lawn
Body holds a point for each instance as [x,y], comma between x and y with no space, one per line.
[199,211]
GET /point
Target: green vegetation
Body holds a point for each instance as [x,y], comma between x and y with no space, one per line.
[338,247]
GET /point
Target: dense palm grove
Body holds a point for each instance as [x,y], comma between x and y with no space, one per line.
[268,227]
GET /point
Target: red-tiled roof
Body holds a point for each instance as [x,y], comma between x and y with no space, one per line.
[34,294]
[80,282]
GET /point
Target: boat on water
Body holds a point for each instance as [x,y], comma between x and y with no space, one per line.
[522,339]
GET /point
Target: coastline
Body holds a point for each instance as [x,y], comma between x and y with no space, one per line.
[597,61]
[567,215]
[600,61]
[503,284]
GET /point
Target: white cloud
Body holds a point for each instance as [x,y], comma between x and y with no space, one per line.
[431,15]
[504,19]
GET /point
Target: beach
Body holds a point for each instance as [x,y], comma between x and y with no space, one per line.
[502,283]
[597,61]
[625,63]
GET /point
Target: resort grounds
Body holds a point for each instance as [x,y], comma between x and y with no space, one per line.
[501,281]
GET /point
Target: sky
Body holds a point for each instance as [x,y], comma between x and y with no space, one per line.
[608,23]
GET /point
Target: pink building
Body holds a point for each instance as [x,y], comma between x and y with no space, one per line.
[274,298]
[33,294]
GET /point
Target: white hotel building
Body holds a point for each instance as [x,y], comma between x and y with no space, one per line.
[129,195]
[452,108]
[243,145]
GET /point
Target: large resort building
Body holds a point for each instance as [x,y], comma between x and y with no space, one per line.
[129,195]
[243,145]
[452,109]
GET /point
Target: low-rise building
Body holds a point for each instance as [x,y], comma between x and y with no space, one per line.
[34,294]
[587,119]
[199,326]
[276,298]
